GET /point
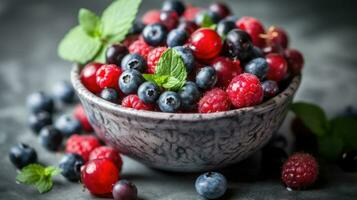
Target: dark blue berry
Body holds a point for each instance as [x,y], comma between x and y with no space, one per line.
[258,67]
[137,27]
[51,138]
[211,185]
[125,190]
[68,125]
[130,80]
[71,164]
[64,92]
[39,120]
[22,155]
[115,53]
[224,26]
[169,102]
[149,92]
[176,37]
[206,78]
[155,34]
[110,94]
[187,57]
[133,61]
[348,161]
[270,88]
[238,45]
[173,5]
[40,101]
[189,95]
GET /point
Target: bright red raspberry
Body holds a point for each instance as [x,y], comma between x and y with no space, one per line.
[295,60]
[300,171]
[226,70]
[105,152]
[133,101]
[254,28]
[278,67]
[140,47]
[88,77]
[82,145]
[205,43]
[277,37]
[245,90]
[215,100]
[81,115]
[191,12]
[153,58]
[151,17]
[108,76]
[130,39]
[99,177]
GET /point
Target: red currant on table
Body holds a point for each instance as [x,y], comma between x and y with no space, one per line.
[226,70]
[205,43]
[105,152]
[254,28]
[277,37]
[295,60]
[88,77]
[107,76]
[278,67]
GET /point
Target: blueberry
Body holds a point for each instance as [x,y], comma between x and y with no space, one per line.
[115,53]
[206,78]
[348,161]
[189,95]
[258,67]
[148,92]
[22,155]
[173,5]
[39,101]
[187,57]
[176,37]
[155,34]
[51,138]
[169,102]
[257,53]
[125,190]
[224,26]
[110,94]
[272,160]
[238,45]
[137,27]
[211,185]
[71,164]
[270,88]
[130,80]
[39,120]
[133,61]
[64,92]
[68,125]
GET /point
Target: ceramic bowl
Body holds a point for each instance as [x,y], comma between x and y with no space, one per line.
[185,142]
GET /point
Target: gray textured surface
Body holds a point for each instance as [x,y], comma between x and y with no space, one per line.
[30,30]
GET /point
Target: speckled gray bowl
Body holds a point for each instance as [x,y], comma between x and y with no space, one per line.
[185,142]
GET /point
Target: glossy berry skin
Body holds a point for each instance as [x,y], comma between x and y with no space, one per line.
[39,120]
[174,5]
[270,88]
[295,60]
[205,44]
[155,34]
[257,53]
[348,161]
[110,94]
[22,155]
[50,138]
[254,28]
[277,37]
[130,80]
[154,57]
[70,165]
[258,66]
[148,92]
[169,19]
[220,9]
[226,70]
[211,185]
[224,26]
[137,27]
[88,77]
[189,95]
[68,125]
[107,76]
[39,101]
[133,101]
[278,67]
[82,145]
[125,190]
[169,102]
[64,92]
[134,61]
[115,53]
[81,116]
[140,47]
[176,37]
[188,26]
[105,152]
[151,17]
[191,12]
[187,57]
[215,100]
[206,78]
[238,45]
[245,90]
[99,176]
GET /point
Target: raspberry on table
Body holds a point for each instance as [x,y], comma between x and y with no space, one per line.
[140,47]
[133,101]
[105,152]
[108,75]
[81,116]
[215,100]
[154,57]
[82,145]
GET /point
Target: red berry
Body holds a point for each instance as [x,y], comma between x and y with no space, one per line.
[169,19]
[108,76]
[105,152]
[191,12]
[220,8]
[205,43]
[80,114]
[140,47]
[133,101]
[130,39]
[82,145]
[151,17]
[245,90]
[295,60]
[88,77]
[153,58]
[215,100]
[277,37]
[254,28]
[278,67]
[268,49]
[99,176]
[300,171]
[226,70]
[188,26]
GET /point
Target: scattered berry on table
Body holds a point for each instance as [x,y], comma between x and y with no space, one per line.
[188,26]
[68,125]
[151,17]
[215,100]
[254,28]
[140,47]
[154,57]
[277,37]
[70,165]
[226,70]
[211,185]
[50,138]
[295,60]
[115,53]
[148,92]
[107,76]
[155,34]
[187,57]
[278,67]
[174,5]
[82,117]
[270,88]
[348,161]
[134,61]
[88,77]
[169,19]
[133,101]
[205,43]
[64,92]
[40,101]
[130,80]
[238,45]
[191,12]
[125,190]
[82,145]
[109,94]
[224,26]
[258,67]
[39,120]
[169,102]
[272,160]
[22,155]
[220,8]
[206,78]
[105,152]
[176,37]
[189,95]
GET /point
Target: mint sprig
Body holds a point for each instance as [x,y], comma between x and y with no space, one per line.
[89,22]
[38,176]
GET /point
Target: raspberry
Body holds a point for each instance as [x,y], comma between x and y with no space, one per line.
[245,90]
[82,145]
[215,100]
[133,101]
[130,40]
[140,47]
[191,12]
[107,76]
[88,77]
[105,152]
[278,67]
[300,171]
[151,17]
[153,58]
[80,114]
[254,28]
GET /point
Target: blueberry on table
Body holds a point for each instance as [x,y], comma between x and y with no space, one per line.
[68,125]
[134,61]
[71,164]
[176,37]
[22,155]
[115,53]
[206,78]
[39,101]
[169,102]
[189,95]
[64,92]
[211,185]
[155,34]
[125,190]
[148,92]
[39,120]
[51,138]
[130,80]
[258,67]
[110,94]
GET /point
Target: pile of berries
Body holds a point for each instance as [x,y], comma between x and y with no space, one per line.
[231,62]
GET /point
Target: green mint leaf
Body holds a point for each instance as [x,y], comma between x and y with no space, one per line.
[207,21]
[30,174]
[52,171]
[89,22]
[159,80]
[44,185]
[100,57]
[118,18]
[172,83]
[346,129]
[312,116]
[330,147]
[78,47]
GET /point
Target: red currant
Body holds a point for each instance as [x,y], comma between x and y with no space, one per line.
[277,37]
[254,28]
[188,26]
[295,60]
[105,152]
[88,77]
[205,43]
[278,67]
[226,70]
[107,76]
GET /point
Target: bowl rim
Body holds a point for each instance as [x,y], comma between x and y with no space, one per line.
[89,96]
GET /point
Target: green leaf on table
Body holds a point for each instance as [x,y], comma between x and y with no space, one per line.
[89,22]
[346,129]
[330,147]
